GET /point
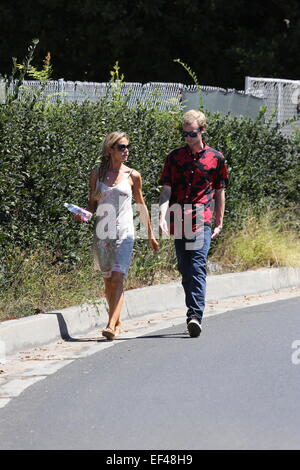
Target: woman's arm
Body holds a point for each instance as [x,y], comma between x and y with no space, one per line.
[142,208]
[92,204]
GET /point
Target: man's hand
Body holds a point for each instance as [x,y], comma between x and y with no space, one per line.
[216,232]
[163,227]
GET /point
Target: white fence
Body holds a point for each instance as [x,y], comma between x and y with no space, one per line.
[282,97]
[279,96]
[164,95]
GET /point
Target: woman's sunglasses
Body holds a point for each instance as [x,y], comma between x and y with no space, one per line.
[191,133]
[122,147]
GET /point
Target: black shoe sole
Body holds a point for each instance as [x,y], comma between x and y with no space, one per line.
[194,329]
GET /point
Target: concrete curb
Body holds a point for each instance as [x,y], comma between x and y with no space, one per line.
[42,329]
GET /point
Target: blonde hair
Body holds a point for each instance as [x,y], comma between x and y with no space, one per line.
[193,115]
[108,142]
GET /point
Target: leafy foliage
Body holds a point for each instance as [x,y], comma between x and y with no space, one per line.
[194,77]
[40,75]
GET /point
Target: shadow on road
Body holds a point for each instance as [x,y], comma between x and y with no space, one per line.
[63,328]
[64,333]
[162,336]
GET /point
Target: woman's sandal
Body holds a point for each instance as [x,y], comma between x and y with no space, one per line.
[108,333]
[118,330]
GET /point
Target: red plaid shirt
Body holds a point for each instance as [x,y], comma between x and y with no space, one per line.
[193,179]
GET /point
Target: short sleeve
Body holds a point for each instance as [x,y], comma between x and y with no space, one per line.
[222,179]
[165,178]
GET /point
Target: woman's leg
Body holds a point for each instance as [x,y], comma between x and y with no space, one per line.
[114,293]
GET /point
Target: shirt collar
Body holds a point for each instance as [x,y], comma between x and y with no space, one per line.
[205,147]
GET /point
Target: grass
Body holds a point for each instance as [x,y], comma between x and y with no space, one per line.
[266,241]
[40,285]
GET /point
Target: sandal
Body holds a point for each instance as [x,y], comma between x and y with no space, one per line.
[108,333]
[118,330]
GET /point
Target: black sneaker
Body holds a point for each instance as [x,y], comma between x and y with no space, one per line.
[194,328]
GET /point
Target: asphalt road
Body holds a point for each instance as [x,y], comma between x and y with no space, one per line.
[235,387]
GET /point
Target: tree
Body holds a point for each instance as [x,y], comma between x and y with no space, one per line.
[222,41]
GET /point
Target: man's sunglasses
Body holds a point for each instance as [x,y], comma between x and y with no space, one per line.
[191,133]
[122,147]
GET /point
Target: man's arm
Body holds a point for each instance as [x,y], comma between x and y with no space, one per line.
[164,200]
[219,210]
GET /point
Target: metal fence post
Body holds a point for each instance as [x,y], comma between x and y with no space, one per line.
[2,92]
[247,84]
[61,89]
[280,108]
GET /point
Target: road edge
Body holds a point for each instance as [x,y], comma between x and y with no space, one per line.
[42,329]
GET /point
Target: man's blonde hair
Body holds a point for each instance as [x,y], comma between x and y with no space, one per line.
[193,115]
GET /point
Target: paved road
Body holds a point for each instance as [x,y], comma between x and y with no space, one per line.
[235,387]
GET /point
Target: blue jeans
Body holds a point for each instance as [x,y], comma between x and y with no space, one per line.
[192,259]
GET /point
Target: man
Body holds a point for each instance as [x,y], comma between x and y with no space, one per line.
[193,179]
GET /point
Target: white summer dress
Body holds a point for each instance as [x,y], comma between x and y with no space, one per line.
[114,236]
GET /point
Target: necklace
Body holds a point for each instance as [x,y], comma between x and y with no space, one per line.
[113,171]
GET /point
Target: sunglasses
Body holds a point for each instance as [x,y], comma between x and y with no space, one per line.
[122,147]
[191,133]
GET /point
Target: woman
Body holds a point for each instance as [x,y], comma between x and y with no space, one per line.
[111,189]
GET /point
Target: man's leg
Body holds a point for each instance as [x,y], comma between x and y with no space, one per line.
[192,259]
[183,265]
[197,284]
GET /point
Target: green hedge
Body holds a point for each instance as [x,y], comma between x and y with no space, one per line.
[47,152]
[264,164]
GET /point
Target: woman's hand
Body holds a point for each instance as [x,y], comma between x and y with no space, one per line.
[77,217]
[154,243]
